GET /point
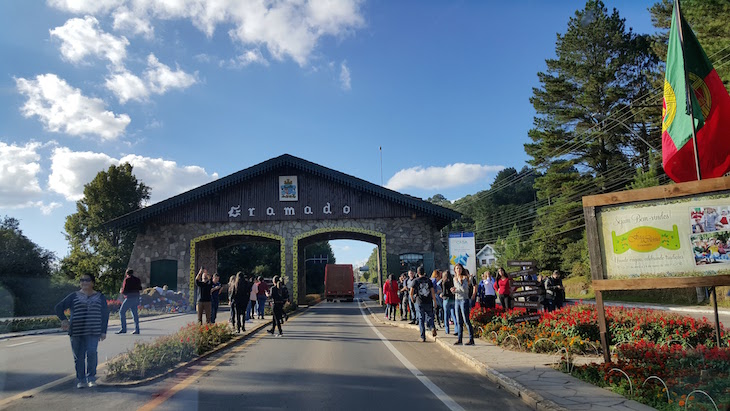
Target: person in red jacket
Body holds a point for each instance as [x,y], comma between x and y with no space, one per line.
[390,291]
[503,287]
[130,288]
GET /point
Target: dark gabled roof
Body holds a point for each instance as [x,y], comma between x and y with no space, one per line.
[284,160]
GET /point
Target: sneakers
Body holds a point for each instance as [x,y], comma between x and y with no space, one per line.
[423,339]
[458,343]
[270,331]
[279,335]
[471,342]
[80,385]
[434,333]
[91,384]
[121,332]
[135,332]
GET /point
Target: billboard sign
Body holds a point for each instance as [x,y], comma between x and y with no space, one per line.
[462,250]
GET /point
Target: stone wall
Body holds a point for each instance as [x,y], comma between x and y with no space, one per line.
[157,242]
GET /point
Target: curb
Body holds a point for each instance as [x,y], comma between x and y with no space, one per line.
[220,348]
[529,397]
[42,331]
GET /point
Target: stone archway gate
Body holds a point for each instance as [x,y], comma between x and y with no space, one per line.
[285,200]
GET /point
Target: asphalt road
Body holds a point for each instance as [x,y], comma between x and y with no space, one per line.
[329,358]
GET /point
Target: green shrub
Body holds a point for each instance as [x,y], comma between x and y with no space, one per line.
[26,324]
[149,359]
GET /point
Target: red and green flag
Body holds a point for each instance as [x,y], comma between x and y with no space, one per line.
[710,107]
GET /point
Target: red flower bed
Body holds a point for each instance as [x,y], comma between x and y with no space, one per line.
[682,369]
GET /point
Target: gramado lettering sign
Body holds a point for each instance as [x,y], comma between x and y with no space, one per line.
[236,212]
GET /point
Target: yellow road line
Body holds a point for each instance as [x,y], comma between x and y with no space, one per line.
[159,400]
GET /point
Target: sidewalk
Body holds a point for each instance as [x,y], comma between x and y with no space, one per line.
[528,376]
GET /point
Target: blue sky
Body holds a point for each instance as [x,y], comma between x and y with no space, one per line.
[189,91]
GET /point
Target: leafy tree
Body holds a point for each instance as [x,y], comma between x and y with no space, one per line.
[708,19]
[95,249]
[440,200]
[251,258]
[23,266]
[586,136]
[315,270]
[509,248]
[373,265]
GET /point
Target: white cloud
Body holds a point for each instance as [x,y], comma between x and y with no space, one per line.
[345,77]
[19,168]
[82,37]
[160,78]
[287,28]
[434,178]
[127,20]
[86,6]
[63,109]
[71,170]
[126,86]
[249,57]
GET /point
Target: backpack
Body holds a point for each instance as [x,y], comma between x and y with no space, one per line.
[284,292]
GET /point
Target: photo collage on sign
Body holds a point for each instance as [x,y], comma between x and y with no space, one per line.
[710,238]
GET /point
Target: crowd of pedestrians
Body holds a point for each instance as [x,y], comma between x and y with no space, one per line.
[445,300]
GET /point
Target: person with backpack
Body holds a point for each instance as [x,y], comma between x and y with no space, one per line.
[423,298]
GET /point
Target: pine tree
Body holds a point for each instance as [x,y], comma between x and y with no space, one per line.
[585,133]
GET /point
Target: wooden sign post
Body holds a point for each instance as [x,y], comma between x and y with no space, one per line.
[528,270]
[657,238]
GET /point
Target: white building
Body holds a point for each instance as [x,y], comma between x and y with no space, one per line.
[486,256]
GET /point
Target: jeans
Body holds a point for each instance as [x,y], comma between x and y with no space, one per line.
[130,302]
[239,309]
[506,301]
[85,357]
[438,311]
[462,315]
[278,314]
[412,307]
[404,307]
[449,314]
[425,317]
[214,309]
[262,303]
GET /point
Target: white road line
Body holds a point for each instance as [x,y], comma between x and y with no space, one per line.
[23,343]
[453,406]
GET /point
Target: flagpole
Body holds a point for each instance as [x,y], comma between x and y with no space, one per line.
[687,90]
[690,110]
